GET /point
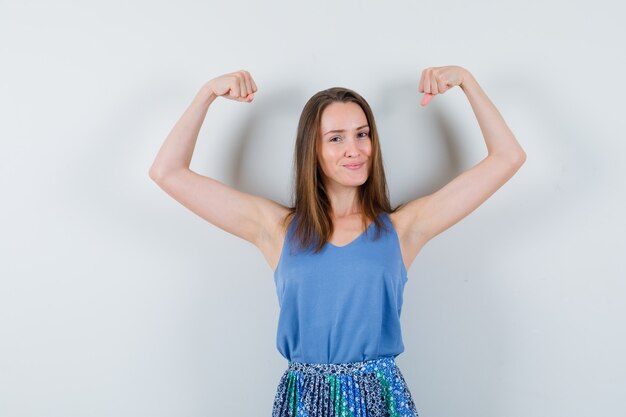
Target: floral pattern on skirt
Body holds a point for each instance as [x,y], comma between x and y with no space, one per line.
[373,388]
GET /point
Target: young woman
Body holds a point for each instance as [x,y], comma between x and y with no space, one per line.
[340,253]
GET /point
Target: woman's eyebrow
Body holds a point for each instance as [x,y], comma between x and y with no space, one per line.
[343,130]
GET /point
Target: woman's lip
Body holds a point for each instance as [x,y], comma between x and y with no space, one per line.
[353,166]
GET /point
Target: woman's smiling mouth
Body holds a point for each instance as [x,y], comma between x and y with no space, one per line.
[354,166]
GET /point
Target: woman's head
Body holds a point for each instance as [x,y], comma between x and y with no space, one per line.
[320,158]
[344,146]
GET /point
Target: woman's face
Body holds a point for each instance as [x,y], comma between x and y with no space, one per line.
[345,145]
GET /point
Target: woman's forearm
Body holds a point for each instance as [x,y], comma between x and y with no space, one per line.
[177,150]
[498,137]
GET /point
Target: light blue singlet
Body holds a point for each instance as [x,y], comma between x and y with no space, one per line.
[342,304]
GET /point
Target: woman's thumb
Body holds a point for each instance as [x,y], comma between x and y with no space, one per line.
[426,99]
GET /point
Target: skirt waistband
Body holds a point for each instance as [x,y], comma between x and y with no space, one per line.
[372,365]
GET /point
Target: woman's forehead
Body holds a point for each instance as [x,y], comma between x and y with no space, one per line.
[342,116]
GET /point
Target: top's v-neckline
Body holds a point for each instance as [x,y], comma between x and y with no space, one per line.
[354,240]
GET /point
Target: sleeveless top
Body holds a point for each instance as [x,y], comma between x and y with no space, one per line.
[342,304]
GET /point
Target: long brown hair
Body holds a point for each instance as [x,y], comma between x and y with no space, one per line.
[311,207]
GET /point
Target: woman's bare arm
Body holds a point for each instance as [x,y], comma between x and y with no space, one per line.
[247,216]
[428,216]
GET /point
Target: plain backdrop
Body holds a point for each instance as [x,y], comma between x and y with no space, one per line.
[117,301]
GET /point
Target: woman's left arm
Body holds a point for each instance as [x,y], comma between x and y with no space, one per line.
[428,216]
[500,141]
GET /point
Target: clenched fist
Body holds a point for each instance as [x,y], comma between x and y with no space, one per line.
[438,80]
[237,85]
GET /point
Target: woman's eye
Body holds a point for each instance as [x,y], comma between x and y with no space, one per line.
[361,135]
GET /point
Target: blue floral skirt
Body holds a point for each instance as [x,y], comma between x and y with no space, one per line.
[373,388]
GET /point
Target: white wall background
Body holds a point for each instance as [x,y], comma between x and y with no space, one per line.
[115,300]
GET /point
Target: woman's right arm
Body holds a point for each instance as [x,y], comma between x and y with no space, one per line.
[247,216]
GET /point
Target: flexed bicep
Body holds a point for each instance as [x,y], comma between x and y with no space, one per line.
[432,214]
[244,215]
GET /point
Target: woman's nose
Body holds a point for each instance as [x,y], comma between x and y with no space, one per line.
[352,148]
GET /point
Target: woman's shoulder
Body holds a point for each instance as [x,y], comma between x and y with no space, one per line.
[277,218]
[275,222]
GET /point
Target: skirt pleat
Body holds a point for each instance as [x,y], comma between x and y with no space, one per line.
[373,388]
